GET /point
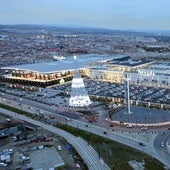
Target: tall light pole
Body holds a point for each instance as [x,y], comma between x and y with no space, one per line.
[126,80]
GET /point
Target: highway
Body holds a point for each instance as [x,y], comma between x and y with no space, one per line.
[87,153]
[151,147]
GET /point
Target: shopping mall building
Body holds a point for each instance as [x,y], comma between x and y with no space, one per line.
[97,67]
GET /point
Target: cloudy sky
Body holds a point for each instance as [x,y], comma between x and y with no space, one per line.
[115,14]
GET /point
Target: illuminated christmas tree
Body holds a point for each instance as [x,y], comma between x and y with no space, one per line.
[79,96]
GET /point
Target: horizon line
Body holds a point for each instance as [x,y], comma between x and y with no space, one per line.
[91,27]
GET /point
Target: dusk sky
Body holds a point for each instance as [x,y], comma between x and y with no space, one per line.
[114,14]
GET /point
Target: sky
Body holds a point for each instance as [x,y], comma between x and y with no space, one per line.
[112,14]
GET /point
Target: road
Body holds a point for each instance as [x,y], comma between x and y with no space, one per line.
[14,101]
[161,146]
[88,154]
[130,139]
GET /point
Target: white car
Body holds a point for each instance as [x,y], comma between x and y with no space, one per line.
[144,128]
[25,158]
[59,148]
[129,126]
[162,144]
[2,164]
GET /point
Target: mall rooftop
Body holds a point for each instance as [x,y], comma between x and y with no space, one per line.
[82,61]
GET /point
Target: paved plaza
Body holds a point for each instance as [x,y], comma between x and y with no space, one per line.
[142,115]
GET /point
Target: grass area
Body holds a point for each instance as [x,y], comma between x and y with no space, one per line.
[14,109]
[113,153]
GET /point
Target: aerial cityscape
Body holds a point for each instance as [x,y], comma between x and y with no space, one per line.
[86,92]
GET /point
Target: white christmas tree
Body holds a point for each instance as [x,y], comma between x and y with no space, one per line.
[79,96]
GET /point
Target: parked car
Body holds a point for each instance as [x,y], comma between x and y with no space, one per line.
[129,126]
[144,128]
[2,164]
[59,148]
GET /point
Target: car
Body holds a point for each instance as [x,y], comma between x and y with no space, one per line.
[129,126]
[2,164]
[14,138]
[162,144]
[8,120]
[25,158]
[144,128]
[87,126]
[105,132]
[59,148]
[141,144]
[77,166]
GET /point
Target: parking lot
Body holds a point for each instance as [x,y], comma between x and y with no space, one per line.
[115,90]
[149,97]
[98,88]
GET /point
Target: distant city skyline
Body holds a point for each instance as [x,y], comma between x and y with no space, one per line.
[113,14]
